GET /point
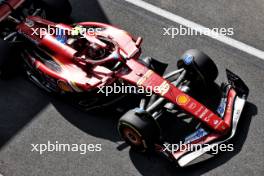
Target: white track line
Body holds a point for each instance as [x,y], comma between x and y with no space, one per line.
[197,27]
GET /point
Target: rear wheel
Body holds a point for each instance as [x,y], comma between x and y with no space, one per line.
[140,131]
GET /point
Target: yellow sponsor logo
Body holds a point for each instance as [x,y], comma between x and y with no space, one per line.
[182,99]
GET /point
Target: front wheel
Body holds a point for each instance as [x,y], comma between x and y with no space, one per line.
[139,130]
[199,66]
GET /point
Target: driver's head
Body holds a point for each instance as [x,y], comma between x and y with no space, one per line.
[94,51]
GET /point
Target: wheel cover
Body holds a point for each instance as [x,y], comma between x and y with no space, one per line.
[132,136]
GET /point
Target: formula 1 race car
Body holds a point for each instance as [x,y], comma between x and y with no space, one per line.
[79,59]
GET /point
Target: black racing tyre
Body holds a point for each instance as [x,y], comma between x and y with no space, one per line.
[56,10]
[140,131]
[200,63]
[5,56]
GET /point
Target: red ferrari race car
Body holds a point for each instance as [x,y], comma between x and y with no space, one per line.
[77,60]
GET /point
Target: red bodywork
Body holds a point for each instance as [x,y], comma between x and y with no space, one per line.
[63,54]
[81,79]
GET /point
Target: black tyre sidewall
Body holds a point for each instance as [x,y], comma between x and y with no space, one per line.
[145,126]
[142,148]
[207,67]
[202,65]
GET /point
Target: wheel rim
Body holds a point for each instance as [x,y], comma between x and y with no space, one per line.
[132,136]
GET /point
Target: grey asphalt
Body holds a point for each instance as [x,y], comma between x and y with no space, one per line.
[29,115]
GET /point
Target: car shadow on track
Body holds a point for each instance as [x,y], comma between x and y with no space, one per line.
[20,102]
[149,164]
[101,122]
